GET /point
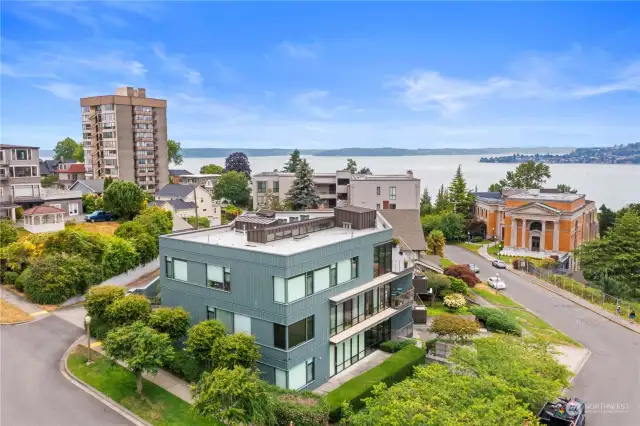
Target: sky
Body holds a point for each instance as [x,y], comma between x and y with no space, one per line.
[331,74]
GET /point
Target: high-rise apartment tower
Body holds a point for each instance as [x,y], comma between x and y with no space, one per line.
[124,136]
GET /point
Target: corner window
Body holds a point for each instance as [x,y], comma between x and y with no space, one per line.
[219,277]
[392,192]
[297,333]
[176,269]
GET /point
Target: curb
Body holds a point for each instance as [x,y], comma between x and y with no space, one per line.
[583,361]
[67,374]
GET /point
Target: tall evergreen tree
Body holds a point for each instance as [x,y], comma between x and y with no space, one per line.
[606,219]
[302,194]
[425,203]
[294,160]
[459,195]
[442,200]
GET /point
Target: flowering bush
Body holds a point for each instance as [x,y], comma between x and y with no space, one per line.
[454,301]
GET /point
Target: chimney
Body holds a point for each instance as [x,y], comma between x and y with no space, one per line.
[410,173]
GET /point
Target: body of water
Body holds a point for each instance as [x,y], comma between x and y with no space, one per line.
[613,185]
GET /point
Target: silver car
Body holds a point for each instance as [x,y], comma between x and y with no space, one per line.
[499,264]
[474,268]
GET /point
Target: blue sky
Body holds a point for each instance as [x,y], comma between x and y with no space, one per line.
[328,75]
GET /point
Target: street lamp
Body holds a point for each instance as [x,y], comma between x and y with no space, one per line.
[87,324]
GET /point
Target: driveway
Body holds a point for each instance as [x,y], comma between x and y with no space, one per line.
[610,380]
[33,391]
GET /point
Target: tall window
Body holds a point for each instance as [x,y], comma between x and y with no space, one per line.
[381,259]
[354,268]
[392,192]
[333,275]
[262,187]
[176,269]
[355,310]
[295,334]
[276,187]
[219,277]
[377,190]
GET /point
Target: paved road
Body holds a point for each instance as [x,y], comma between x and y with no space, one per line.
[33,391]
[611,376]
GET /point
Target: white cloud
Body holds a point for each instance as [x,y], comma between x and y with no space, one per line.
[317,104]
[64,90]
[299,50]
[176,64]
[627,80]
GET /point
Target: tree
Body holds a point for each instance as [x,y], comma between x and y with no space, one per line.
[352,166]
[294,160]
[463,272]
[200,339]
[123,199]
[233,186]
[272,201]
[211,169]
[365,171]
[49,181]
[203,222]
[453,226]
[65,149]
[606,219]
[172,321]
[8,234]
[156,221]
[142,348]
[459,195]
[236,396]
[239,162]
[425,202]
[92,202]
[146,246]
[100,297]
[174,152]
[107,182]
[529,175]
[235,350]
[302,194]
[566,189]
[130,230]
[89,245]
[454,327]
[436,243]
[78,154]
[477,227]
[442,200]
[119,257]
[128,310]
[616,255]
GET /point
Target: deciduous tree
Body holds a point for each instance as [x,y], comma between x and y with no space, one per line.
[211,169]
[65,149]
[99,298]
[527,175]
[119,257]
[436,242]
[128,310]
[123,199]
[352,166]
[302,194]
[78,154]
[174,152]
[203,222]
[235,350]
[173,321]
[142,348]
[239,162]
[566,189]
[200,339]
[8,234]
[233,186]
[294,160]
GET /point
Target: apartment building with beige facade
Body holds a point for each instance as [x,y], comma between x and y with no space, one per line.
[125,137]
[343,188]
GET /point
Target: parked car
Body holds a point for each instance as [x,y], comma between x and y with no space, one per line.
[497,283]
[99,216]
[474,268]
[564,412]
[499,264]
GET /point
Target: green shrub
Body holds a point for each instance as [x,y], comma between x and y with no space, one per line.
[203,222]
[8,234]
[184,366]
[156,221]
[10,277]
[496,320]
[481,312]
[99,298]
[392,346]
[130,230]
[392,370]
[173,321]
[299,408]
[463,272]
[128,310]
[459,286]
[235,350]
[146,246]
[119,257]
[90,246]
[454,327]
[477,239]
[21,280]
[454,301]
[19,211]
[200,340]
[438,283]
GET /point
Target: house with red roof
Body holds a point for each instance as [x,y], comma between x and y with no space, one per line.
[43,218]
[68,174]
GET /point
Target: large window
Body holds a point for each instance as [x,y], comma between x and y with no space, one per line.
[352,350]
[295,288]
[219,277]
[233,322]
[297,333]
[382,259]
[298,377]
[355,310]
[176,269]
[276,187]
[392,192]
[262,187]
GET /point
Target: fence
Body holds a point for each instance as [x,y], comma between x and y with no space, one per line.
[594,295]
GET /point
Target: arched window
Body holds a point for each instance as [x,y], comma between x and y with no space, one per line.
[535,226]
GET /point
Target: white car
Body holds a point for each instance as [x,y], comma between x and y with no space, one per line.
[497,283]
[474,268]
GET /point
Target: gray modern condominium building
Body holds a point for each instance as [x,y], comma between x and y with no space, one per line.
[319,290]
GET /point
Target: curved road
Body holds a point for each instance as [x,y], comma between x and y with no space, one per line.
[610,380]
[33,391]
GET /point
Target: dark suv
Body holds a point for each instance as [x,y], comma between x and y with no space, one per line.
[99,216]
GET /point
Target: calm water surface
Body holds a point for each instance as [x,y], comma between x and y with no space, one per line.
[613,185]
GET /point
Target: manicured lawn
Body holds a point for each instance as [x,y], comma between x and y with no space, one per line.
[438,308]
[489,294]
[10,314]
[157,406]
[474,247]
[106,228]
[539,328]
[446,262]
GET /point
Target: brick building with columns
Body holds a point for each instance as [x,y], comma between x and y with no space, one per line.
[537,222]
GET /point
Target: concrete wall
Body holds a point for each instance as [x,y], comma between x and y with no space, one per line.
[363,193]
[252,292]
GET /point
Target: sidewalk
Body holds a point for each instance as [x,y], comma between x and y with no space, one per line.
[566,294]
[32,309]
[164,379]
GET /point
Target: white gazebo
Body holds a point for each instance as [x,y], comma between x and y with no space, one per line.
[43,219]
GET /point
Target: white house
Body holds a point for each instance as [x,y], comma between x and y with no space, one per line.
[182,200]
[43,219]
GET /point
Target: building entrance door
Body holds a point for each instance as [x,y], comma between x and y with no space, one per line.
[535,243]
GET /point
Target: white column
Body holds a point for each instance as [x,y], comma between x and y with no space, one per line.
[523,237]
[514,232]
[13,214]
[542,237]
[556,236]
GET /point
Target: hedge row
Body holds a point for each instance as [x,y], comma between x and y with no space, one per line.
[392,370]
[496,320]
